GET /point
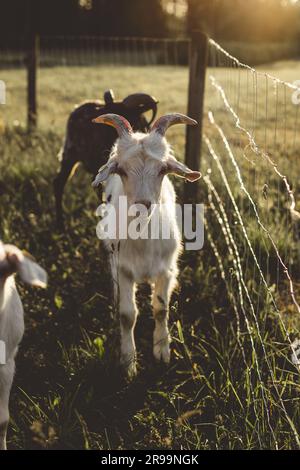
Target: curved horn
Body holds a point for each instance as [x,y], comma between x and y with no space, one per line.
[164,122]
[143,102]
[122,126]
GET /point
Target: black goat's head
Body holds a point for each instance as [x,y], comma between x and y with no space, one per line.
[141,102]
[133,108]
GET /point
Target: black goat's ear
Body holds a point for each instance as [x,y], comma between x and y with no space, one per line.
[109,97]
[108,169]
[142,102]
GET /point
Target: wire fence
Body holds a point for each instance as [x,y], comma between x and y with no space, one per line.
[252,147]
[98,50]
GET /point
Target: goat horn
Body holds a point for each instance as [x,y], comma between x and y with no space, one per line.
[164,122]
[122,126]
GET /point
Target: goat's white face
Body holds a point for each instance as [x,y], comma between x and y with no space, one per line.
[142,179]
[142,161]
[141,170]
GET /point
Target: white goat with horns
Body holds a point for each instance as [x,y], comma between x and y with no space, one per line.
[12,261]
[137,169]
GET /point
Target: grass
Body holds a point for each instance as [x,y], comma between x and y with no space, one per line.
[68,391]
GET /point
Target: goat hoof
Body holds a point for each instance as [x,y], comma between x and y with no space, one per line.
[129,366]
[131,371]
[162,353]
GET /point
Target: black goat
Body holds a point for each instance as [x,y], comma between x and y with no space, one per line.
[91,145]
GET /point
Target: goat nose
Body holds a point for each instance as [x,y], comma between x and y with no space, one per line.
[144,202]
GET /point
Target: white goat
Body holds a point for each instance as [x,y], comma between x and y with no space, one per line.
[137,168]
[12,261]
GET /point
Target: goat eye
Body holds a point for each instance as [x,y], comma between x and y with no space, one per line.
[163,170]
[119,171]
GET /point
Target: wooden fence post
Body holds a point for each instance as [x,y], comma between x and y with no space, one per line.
[198,64]
[32,64]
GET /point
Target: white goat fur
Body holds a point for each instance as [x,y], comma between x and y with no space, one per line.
[12,319]
[142,158]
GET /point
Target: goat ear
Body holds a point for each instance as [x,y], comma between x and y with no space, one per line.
[31,273]
[180,169]
[28,270]
[104,172]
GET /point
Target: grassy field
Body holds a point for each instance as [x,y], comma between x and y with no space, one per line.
[68,391]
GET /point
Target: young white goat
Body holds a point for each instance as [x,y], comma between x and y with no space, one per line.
[12,261]
[138,168]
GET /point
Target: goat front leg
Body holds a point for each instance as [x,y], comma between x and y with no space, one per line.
[128,314]
[6,378]
[162,291]
[3,431]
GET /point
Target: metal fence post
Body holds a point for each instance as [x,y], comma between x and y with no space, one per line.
[32,64]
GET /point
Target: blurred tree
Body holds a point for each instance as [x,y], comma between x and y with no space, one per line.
[254,20]
[200,15]
[59,17]
[14,17]
[238,20]
[103,17]
[127,18]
